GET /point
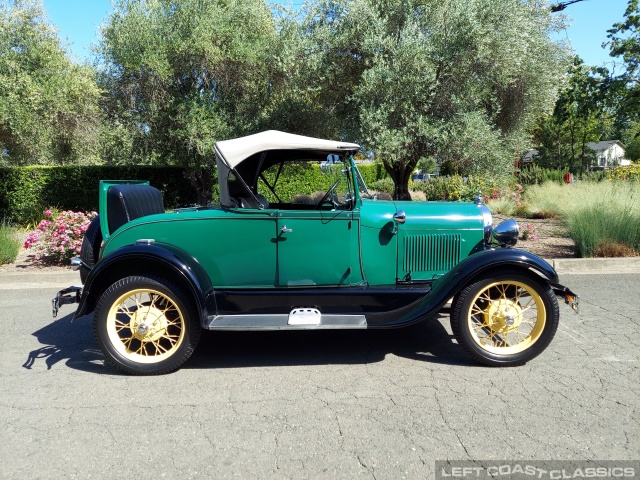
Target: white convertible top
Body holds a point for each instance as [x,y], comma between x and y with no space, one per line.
[235,151]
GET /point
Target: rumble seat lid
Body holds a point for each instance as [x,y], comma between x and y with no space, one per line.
[236,150]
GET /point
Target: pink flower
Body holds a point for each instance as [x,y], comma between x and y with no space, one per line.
[48,213]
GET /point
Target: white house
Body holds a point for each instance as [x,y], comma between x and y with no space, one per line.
[609,153]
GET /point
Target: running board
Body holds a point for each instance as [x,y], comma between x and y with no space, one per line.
[284,322]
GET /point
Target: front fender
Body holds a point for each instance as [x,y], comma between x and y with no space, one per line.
[145,259]
[459,277]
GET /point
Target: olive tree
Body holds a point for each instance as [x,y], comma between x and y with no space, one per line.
[182,75]
[49,110]
[458,80]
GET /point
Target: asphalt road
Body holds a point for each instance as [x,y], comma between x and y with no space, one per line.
[334,405]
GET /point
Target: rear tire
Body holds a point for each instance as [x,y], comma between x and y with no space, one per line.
[91,244]
[505,319]
[146,326]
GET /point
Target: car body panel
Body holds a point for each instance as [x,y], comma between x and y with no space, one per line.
[436,236]
[164,257]
[464,273]
[236,248]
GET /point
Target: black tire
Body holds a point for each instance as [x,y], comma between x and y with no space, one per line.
[505,319]
[157,331]
[91,244]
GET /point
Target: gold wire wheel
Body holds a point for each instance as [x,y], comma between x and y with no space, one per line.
[145,326]
[507,317]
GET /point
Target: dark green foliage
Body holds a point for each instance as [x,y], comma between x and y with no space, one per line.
[581,115]
[372,172]
[535,175]
[26,192]
[596,176]
[384,185]
[306,178]
[624,43]
[457,188]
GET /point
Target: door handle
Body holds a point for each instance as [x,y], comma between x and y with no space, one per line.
[284,229]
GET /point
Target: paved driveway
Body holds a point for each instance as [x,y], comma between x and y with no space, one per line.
[381,405]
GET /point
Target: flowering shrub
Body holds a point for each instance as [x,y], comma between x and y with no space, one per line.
[631,172]
[516,195]
[58,237]
[527,232]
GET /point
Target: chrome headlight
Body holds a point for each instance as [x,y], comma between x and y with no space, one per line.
[506,234]
[487,223]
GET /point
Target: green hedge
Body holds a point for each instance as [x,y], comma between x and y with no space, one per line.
[26,191]
[307,178]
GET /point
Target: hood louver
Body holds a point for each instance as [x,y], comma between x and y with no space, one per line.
[431,253]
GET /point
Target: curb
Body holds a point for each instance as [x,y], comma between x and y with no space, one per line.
[604,265]
[51,279]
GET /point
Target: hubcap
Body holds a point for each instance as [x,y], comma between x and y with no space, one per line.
[507,317]
[145,326]
[148,324]
[503,315]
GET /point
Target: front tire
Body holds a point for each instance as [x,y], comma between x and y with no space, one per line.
[146,326]
[505,319]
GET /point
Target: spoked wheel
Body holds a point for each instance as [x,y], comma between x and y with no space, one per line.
[505,319]
[146,326]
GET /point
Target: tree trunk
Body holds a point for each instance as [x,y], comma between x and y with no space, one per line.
[400,174]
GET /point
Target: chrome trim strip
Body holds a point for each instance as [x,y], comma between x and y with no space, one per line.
[281,322]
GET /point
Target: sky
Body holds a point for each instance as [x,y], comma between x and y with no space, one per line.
[78,22]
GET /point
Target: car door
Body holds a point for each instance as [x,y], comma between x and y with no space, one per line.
[318,245]
[314,247]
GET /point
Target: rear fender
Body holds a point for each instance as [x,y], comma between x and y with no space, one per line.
[155,259]
[464,273]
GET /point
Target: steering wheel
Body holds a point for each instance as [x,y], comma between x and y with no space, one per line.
[329,195]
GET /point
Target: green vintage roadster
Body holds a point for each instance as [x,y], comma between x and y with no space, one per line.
[267,260]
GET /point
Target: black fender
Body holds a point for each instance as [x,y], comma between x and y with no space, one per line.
[141,259]
[452,283]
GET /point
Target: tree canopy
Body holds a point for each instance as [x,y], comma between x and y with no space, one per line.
[468,83]
[48,105]
[460,80]
[183,75]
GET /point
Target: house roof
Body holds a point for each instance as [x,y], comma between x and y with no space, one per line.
[602,146]
[528,156]
[235,151]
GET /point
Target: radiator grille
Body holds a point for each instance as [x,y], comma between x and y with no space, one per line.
[431,253]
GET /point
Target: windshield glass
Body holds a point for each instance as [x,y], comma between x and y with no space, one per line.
[326,184]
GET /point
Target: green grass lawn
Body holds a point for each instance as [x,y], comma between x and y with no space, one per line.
[9,244]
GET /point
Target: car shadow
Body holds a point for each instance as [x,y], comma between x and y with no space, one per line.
[71,343]
[427,341]
[75,346]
